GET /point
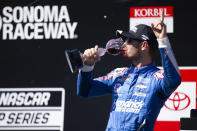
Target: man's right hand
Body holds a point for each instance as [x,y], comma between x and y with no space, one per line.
[91,56]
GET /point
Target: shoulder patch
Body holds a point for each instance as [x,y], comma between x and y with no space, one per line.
[116,72]
[120,70]
[113,73]
[159,74]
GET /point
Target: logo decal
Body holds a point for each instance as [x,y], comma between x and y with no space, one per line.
[114,73]
[178,101]
[116,88]
[141,86]
[147,15]
[144,37]
[32,109]
[134,29]
[139,94]
[129,106]
[37,22]
[159,74]
[143,80]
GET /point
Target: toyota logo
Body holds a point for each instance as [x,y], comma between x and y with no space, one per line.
[177,101]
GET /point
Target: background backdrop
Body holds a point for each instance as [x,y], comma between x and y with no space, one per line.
[42,63]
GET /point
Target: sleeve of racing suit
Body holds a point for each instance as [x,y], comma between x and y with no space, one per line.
[171,79]
[89,87]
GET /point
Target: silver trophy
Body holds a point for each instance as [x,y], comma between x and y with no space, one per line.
[75,57]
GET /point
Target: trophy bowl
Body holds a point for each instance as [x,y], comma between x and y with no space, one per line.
[75,57]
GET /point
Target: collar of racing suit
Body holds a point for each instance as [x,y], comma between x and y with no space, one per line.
[143,69]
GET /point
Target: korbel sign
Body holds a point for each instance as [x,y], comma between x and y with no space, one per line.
[148,15]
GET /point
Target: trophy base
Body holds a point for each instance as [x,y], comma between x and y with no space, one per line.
[74,60]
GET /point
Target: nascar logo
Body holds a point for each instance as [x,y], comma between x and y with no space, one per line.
[24,99]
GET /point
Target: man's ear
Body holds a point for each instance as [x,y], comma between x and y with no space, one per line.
[144,45]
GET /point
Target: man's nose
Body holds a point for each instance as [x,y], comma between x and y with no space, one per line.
[124,44]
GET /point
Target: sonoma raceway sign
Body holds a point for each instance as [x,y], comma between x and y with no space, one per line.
[36,22]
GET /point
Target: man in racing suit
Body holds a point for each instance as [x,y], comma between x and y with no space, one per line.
[140,91]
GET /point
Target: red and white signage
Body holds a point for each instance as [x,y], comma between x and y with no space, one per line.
[180,102]
[148,15]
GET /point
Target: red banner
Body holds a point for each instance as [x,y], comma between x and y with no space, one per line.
[151,11]
[188,75]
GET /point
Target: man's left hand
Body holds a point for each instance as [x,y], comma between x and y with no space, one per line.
[159,28]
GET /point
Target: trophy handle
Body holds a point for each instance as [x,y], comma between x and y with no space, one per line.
[74,60]
[68,60]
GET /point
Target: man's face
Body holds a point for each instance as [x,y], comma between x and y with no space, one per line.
[132,48]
